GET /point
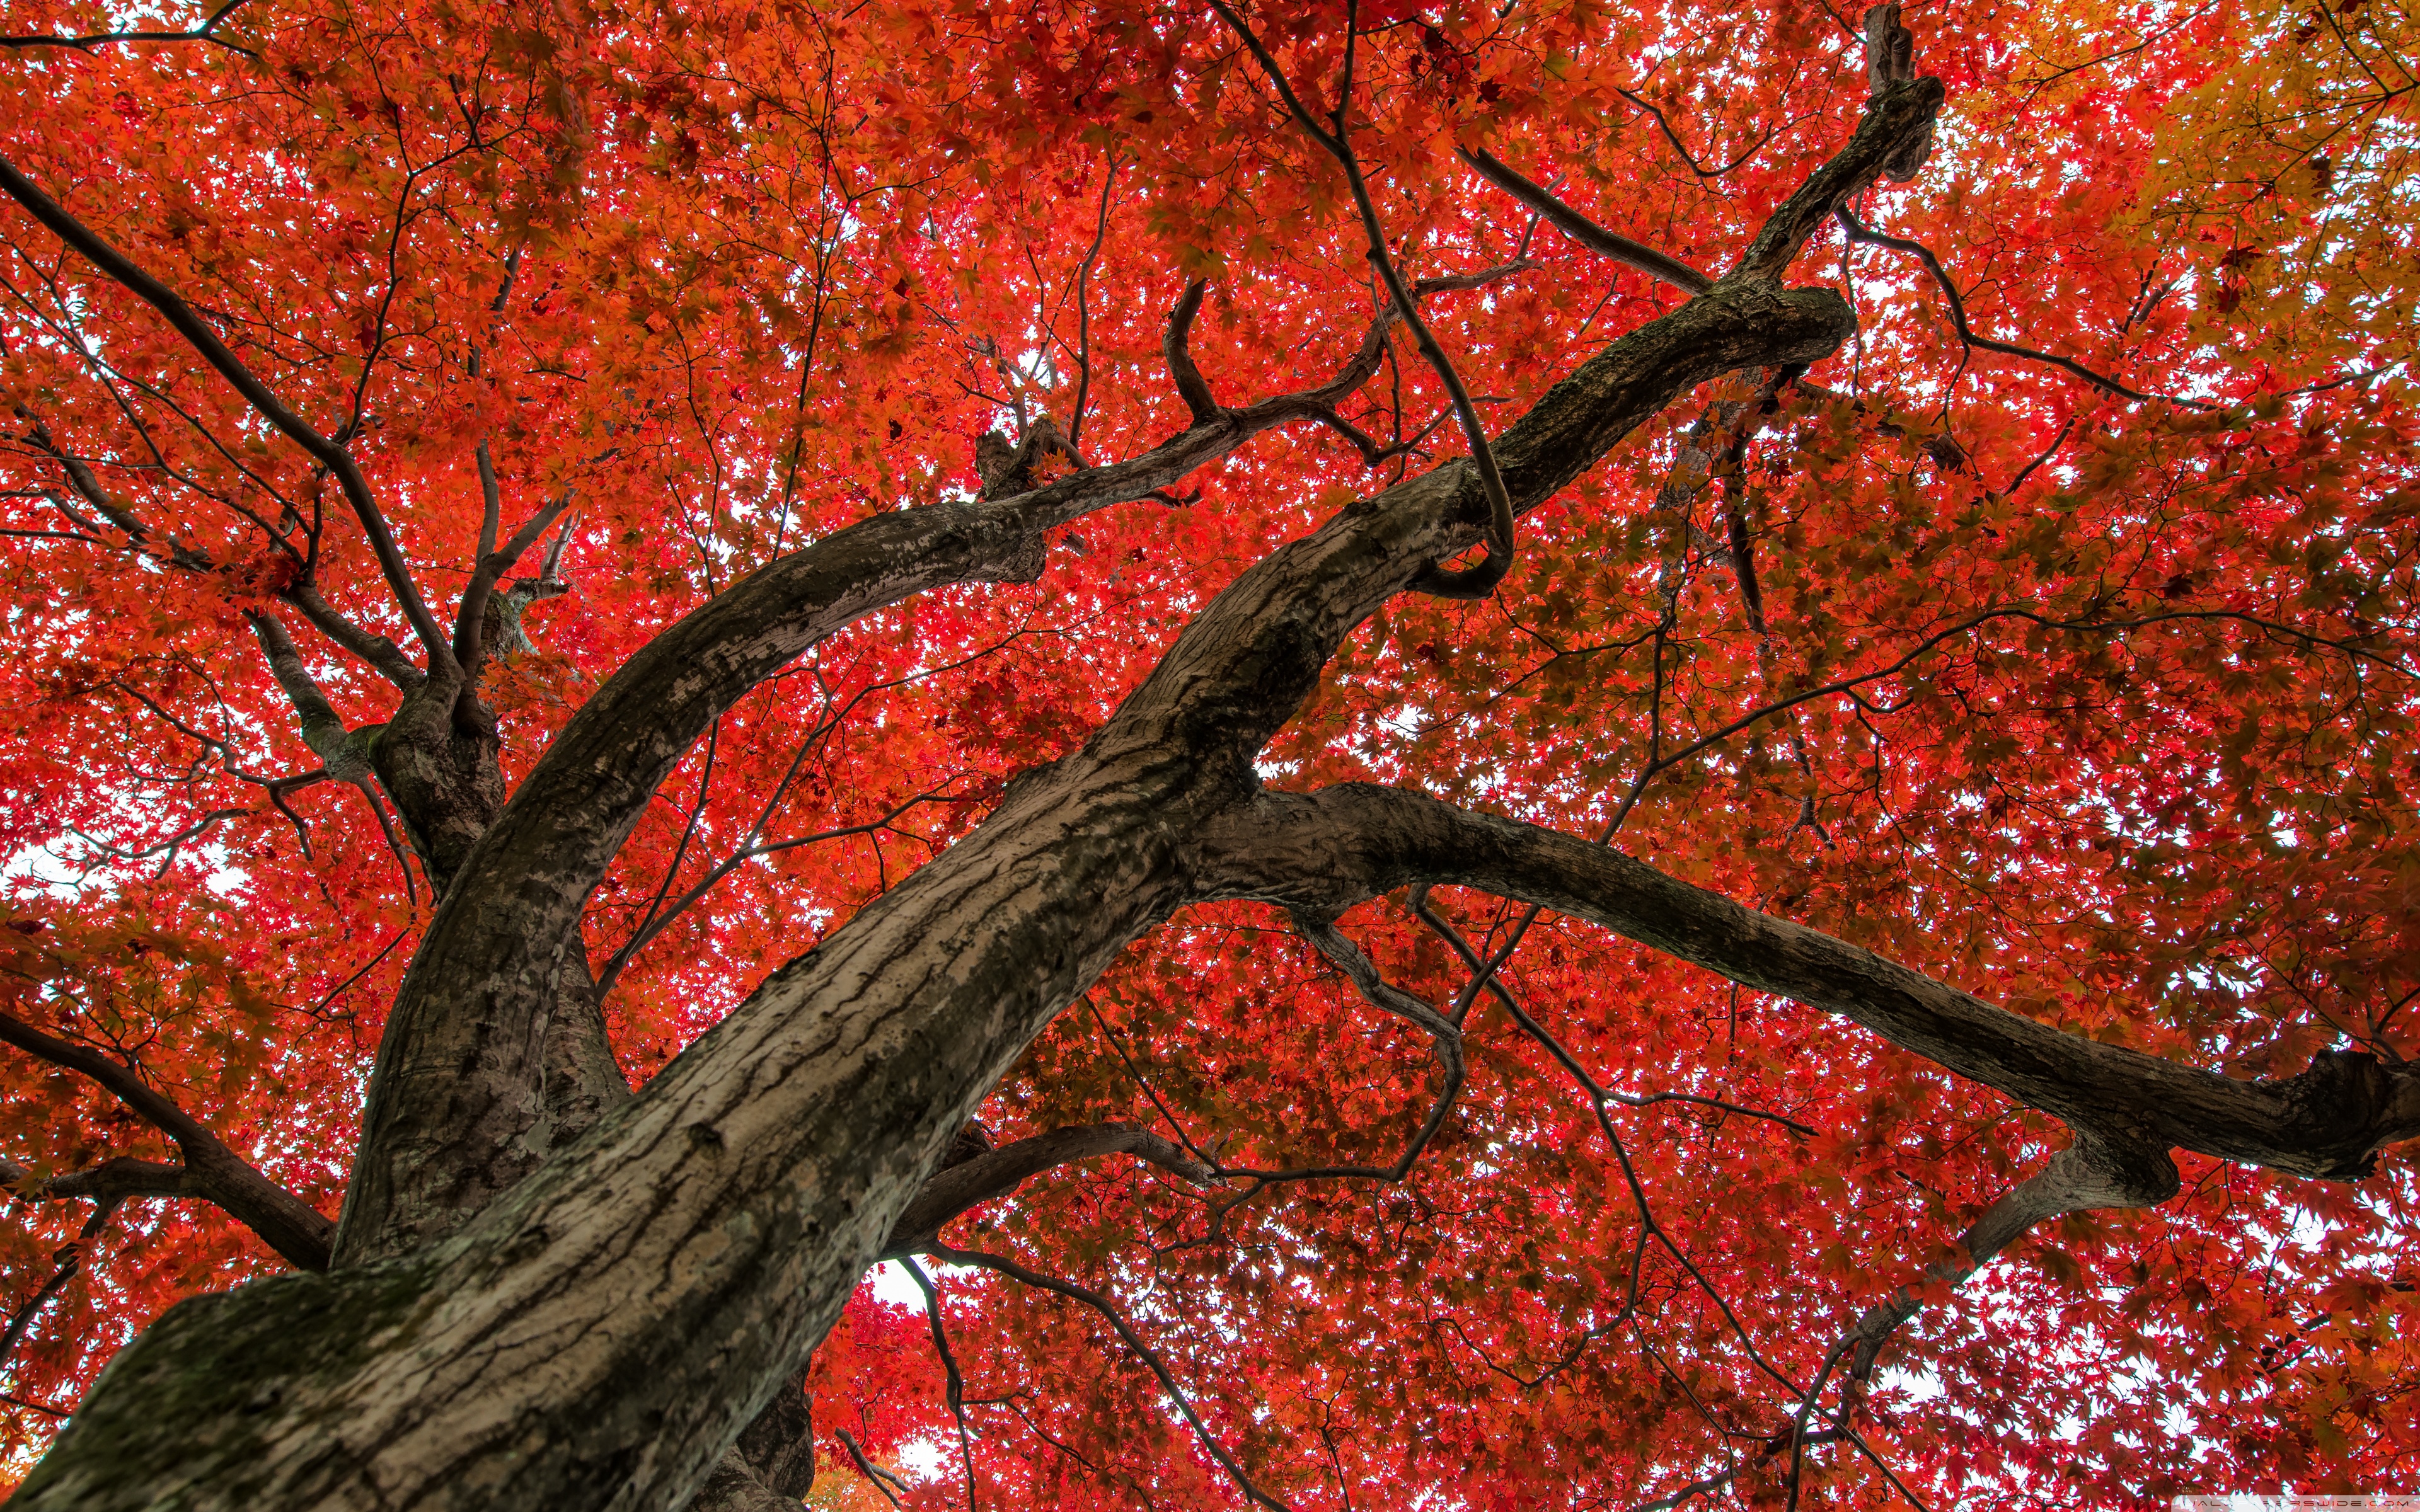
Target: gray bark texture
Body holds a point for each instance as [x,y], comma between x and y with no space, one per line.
[547,1292]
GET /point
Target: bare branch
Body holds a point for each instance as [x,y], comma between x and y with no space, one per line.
[470,626]
[382,654]
[1858,232]
[1445,1040]
[661,917]
[1663,123]
[344,753]
[1484,974]
[957,1388]
[109,1182]
[206,32]
[1084,311]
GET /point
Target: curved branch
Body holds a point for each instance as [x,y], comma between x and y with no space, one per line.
[996,1173]
[1190,385]
[1663,123]
[285,1222]
[1445,1042]
[956,1384]
[1346,843]
[882,1479]
[1858,232]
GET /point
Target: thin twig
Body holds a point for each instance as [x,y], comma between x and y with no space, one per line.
[868,1468]
[1151,1357]
[1857,231]
[956,1387]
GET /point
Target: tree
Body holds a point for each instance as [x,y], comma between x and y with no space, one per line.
[1040,625]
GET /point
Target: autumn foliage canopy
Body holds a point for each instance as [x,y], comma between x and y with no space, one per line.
[2053,636]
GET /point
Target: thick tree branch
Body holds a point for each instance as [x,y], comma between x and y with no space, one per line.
[377,650]
[343,754]
[575,1343]
[212,1171]
[1890,61]
[111,1182]
[1894,119]
[1338,846]
[1190,385]
[2087,1175]
[471,645]
[483,975]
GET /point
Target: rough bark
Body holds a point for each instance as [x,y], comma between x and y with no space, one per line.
[458,1085]
[604,1330]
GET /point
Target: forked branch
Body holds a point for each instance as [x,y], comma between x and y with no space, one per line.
[1335,140]
[197,332]
[1342,844]
[1134,1341]
[1858,232]
[213,1172]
